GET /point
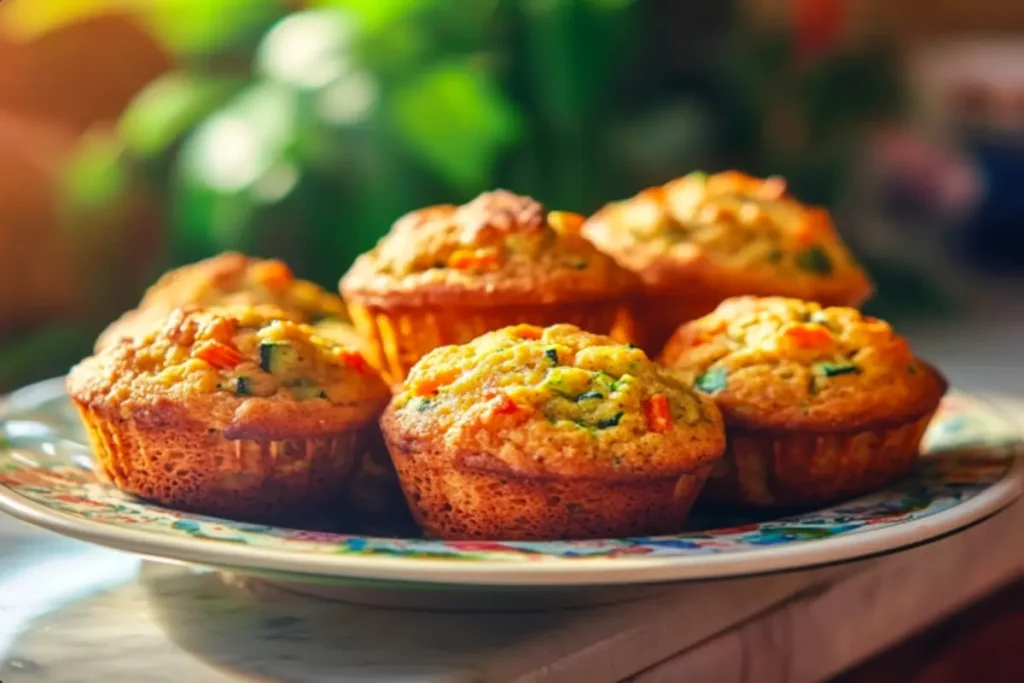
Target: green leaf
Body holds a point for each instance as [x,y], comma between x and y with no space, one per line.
[205,27]
[456,121]
[168,108]
[95,177]
[712,380]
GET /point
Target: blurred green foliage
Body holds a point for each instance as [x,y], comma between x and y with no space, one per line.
[303,129]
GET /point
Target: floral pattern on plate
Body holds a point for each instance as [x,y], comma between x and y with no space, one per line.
[968,448]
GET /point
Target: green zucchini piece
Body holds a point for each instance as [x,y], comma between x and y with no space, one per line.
[712,380]
[277,358]
[609,422]
[815,260]
[835,369]
[586,395]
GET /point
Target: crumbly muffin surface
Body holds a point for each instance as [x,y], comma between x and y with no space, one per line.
[228,358]
[230,279]
[783,362]
[557,401]
[700,224]
[500,244]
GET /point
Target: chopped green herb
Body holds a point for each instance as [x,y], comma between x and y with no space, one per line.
[422,404]
[835,369]
[322,394]
[609,422]
[579,265]
[911,370]
[774,256]
[815,260]
[242,387]
[552,354]
[632,346]
[712,380]
[586,395]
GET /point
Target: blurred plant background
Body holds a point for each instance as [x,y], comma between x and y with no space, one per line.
[141,134]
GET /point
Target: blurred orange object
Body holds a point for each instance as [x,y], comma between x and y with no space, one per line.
[51,90]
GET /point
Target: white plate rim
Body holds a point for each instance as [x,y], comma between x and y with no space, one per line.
[551,572]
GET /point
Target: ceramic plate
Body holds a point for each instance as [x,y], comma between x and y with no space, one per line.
[968,473]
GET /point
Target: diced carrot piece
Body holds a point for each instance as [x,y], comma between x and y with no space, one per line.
[658,413]
[355,360]
[218,354]
[428,386]
[275,274]
[466,259]
[501,404]
[526,331]
[566,222]
[810,336]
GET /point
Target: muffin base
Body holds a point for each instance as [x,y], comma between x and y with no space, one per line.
[200,470]
[398,337]
[764,468]
[469,504]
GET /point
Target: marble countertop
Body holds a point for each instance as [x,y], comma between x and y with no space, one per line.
[75,613]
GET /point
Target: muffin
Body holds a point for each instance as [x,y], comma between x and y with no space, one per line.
[701,239]
[529,434]
[447,274]
[819,403]
[233,412]
[235,279]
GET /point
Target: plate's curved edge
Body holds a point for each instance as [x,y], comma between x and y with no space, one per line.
[520,572]
[552,571]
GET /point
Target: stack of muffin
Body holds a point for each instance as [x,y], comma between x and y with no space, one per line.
[550,376]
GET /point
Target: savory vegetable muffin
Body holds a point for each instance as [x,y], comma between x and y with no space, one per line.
[531,433]
[819,403]
[232,279]
[234,412]
[447,274]
[701,239]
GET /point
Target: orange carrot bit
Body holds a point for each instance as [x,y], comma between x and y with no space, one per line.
[565,222]
[218,355]
[658,413]
[526,331]
[354,360]
[501,404]
[810,336]
[428,386]
[466,259]
[274,274]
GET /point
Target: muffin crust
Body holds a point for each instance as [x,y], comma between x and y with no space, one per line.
[499,249]
[731,233]
[232,279]
[790,364]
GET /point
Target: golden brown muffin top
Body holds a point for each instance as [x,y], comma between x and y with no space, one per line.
[502,245]
[711,226]
[249,368]
[776,362]
[229,279]
[556,401]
